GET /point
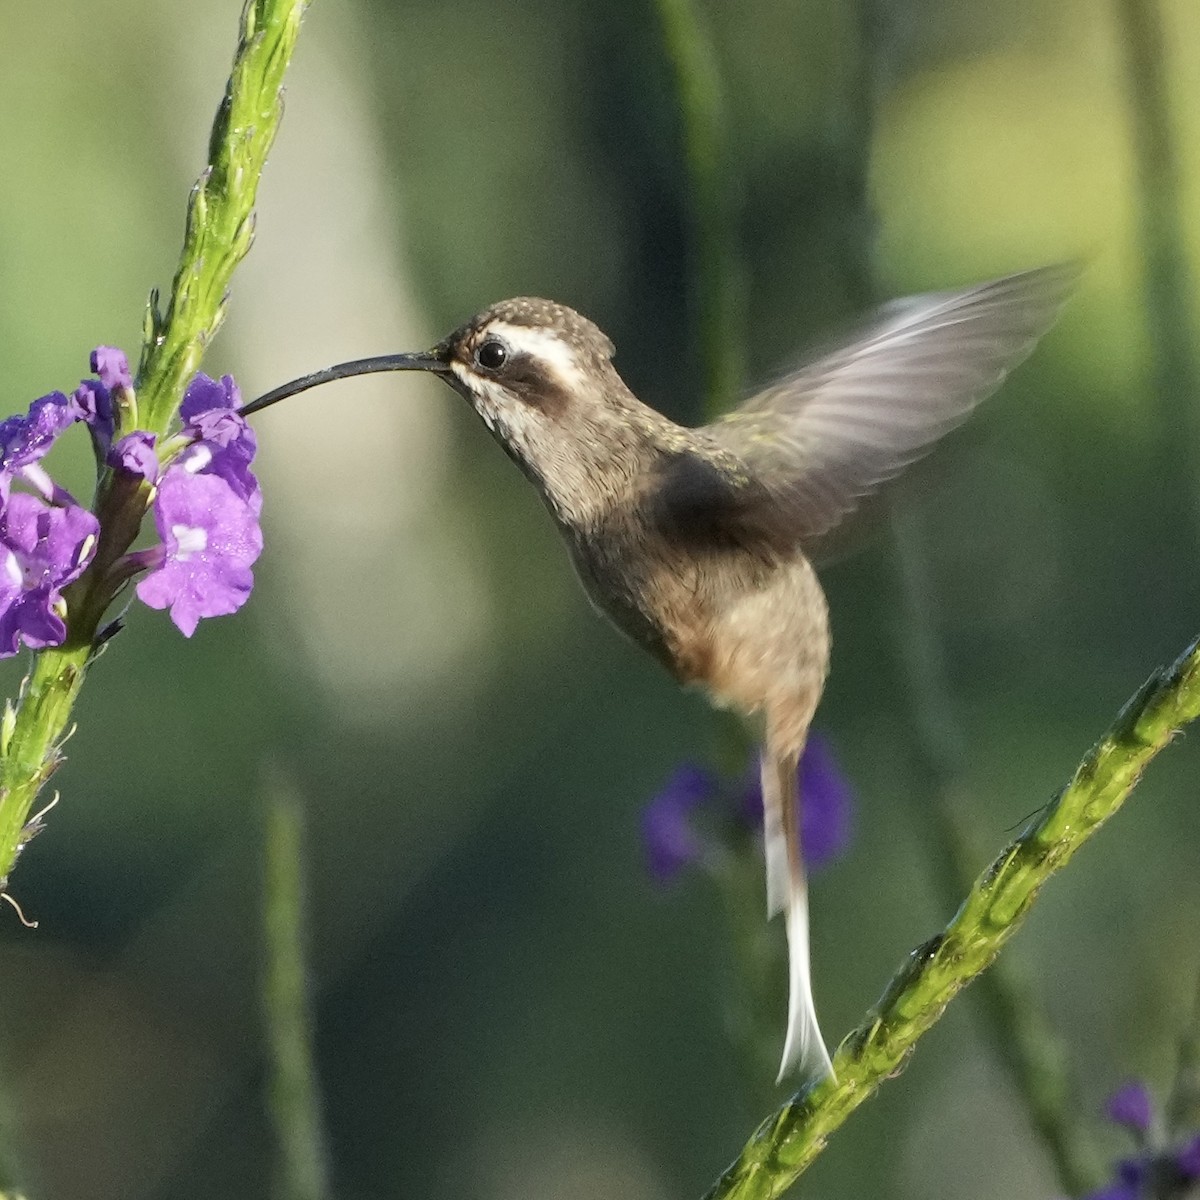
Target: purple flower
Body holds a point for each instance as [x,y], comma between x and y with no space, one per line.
[207,397]
[670,840]
[1117,1191]
[225,444]
[111,365]
[1187,1160]
[1132,1174]
[1130,1105]
[826,804]
[206,509]
[93,402]
[1159,1169]
[135,454]
[93,398]
[25,440]
[210,539]
[42,549]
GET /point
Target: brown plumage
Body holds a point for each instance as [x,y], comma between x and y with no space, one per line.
[696,542]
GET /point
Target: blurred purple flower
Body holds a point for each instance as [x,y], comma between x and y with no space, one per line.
[826,804]
[672,840]
[42,549]
[1160,1170]
[668,836]
[1117,1191]
[1187,1160]
[1130,1105]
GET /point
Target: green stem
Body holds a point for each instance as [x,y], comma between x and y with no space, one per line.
[294,1094]
[787,1142]
[220,214]
[715,269]
[31,754]
[1168,285]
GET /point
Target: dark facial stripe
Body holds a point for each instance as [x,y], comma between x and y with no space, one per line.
[534,384]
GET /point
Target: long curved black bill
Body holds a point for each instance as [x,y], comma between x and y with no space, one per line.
[428,360]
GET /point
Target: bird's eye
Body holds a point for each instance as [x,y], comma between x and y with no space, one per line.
[492,355]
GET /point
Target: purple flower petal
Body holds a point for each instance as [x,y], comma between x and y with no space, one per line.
[1131,1105]
[670,841]
[135,454]
[93,397]
[1187,1159]
[42,549]
[211,537]
[24,440]
[1133,1172]
[230,463]
[93,401]
[221,426]
[49,541]
[225,444]
[826,804]
[112,366]
[1116,1191]
[205,394]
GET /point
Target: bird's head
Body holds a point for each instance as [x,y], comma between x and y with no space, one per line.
[536,372]
[541,378]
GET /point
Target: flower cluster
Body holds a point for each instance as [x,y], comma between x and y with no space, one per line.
[1165,1165]
[673,838]
[205,499]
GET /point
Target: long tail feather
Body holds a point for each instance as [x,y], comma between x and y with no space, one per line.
[775,841]
[787,889]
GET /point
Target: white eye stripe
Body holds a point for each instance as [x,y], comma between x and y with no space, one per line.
[545,346]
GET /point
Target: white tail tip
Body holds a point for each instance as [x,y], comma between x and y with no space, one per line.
[803,1047]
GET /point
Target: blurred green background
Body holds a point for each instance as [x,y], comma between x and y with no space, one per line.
[505,1006]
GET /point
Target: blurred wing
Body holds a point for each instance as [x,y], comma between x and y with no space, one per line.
[830,433]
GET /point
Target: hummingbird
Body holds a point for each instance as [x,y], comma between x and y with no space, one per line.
[698,543]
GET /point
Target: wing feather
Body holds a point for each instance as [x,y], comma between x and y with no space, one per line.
[828,434]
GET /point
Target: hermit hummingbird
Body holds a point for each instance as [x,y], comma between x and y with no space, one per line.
[697,542]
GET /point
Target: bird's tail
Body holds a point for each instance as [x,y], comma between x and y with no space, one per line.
[787,892]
